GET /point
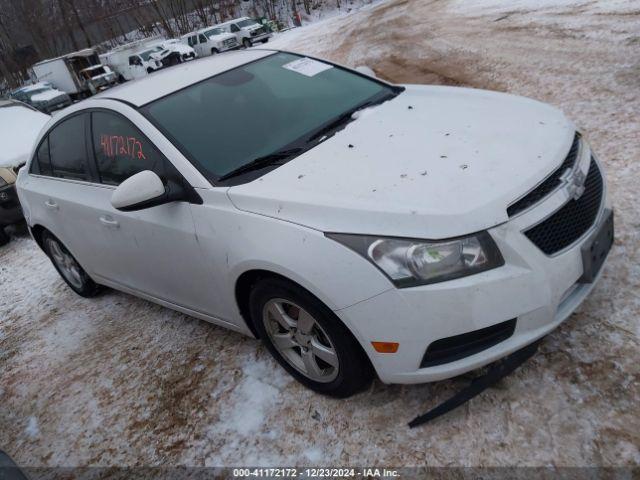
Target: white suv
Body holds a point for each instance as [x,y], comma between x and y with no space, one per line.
[417,232]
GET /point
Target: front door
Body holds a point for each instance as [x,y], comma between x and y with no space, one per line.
[154,250]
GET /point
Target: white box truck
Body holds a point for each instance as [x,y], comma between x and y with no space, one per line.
[79,74]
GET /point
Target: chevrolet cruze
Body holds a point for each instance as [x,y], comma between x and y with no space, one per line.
[354,226]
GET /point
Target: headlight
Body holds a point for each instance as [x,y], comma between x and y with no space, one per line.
[411,262]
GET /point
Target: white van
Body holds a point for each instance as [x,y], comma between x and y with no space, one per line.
[247,31]
[211,40]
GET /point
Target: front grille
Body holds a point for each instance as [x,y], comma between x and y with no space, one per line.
[572,221]
[454,348]
[549,184]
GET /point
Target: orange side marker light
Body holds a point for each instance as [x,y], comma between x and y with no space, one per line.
[385,347]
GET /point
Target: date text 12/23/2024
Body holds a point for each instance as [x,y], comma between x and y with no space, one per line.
[327,472]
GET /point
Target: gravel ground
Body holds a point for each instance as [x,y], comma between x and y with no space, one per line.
[119,381]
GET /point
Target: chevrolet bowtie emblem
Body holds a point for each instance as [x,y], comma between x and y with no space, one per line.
[575,183]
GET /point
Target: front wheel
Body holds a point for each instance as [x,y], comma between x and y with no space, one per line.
[246,43]
[68,267]
[214,51]
[308,340]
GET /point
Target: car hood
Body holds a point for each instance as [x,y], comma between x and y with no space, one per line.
[21,127]
[434,162]
[179,48]
[48,96]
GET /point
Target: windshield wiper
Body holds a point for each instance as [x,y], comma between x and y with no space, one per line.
[261,162]
[339,121]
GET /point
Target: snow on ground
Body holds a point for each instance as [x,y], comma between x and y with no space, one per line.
[119,381]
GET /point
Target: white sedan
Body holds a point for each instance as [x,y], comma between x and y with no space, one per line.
[354,226]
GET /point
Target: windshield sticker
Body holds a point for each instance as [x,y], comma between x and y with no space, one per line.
[307,66]
[119,146]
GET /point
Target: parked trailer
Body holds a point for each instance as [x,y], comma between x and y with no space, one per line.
[79,74]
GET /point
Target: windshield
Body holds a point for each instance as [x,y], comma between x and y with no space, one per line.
[214,31]
[258,109]
[247,23]
[36,91]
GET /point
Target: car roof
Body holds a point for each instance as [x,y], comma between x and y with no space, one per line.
[235,20]
[159,84]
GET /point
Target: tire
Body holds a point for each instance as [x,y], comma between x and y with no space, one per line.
[68,267]
[150,70]
[214,51]
[246,43]
[4,238]
[265,40]
[343,369]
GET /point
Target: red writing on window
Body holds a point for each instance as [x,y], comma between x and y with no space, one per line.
[119,146]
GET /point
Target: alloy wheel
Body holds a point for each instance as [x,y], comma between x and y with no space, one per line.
[65,262]
[300,340]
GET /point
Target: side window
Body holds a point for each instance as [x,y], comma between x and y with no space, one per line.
[203,39]
[134,60]
[41,164]
[67,149]
[121,150]
[234,28]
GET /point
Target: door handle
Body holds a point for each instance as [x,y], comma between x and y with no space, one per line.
[109,222]
[51,205]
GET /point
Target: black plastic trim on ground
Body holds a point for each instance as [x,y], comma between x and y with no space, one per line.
[497,372]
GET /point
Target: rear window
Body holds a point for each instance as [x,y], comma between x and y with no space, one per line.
[67,150]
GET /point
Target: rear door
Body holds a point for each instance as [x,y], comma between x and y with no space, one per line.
[61,189]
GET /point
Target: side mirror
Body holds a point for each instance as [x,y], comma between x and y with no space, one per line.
[142,190]
[365,71]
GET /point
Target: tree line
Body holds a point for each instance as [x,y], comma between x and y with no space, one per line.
[34,30]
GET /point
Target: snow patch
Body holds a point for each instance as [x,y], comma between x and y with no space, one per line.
[256,395]
[32,429]
[314,454]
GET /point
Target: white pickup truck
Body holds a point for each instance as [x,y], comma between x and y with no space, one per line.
[211,40]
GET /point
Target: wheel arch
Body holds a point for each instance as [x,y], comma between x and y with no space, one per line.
[246,281]
[243,287]
[37,231]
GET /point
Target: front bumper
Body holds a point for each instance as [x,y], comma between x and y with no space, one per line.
[236,46]
[261,38]
[10,211]
[537,290]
